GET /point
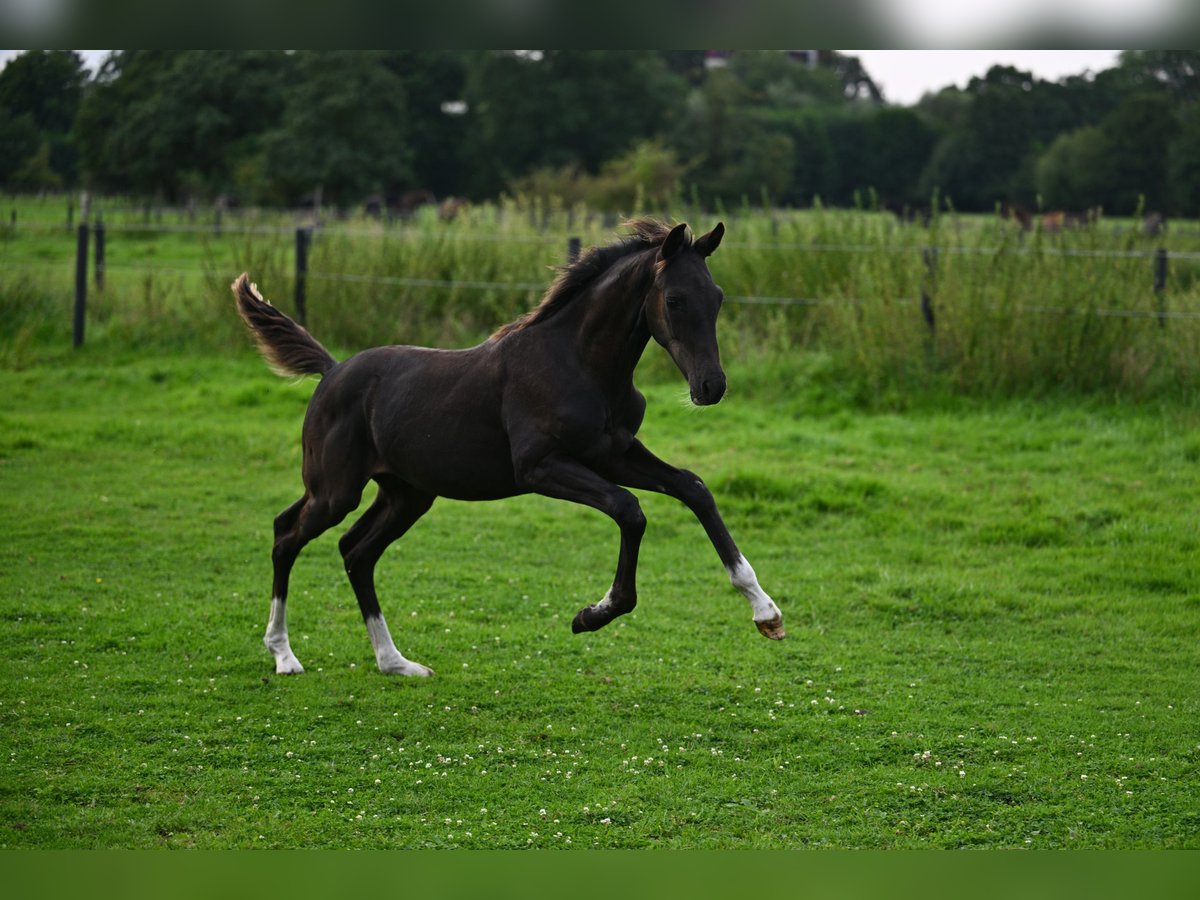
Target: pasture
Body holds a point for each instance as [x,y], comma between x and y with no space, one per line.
[992,609]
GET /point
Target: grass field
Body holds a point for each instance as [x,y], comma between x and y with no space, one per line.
[993,613]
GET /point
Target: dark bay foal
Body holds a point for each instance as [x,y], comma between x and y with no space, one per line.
[546,405]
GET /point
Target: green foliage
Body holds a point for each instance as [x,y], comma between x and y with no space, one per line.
[18,142]
[1119,165]
[272,126]
[40,93]
[648,176]
[343,129]
[991,612]
[559,108]
[1073,171]
[156,116]
[1184,164]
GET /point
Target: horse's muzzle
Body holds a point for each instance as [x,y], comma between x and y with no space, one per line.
[709,390]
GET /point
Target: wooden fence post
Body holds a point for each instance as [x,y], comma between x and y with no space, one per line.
[1160,284]
[574,245]
[302,238]
[81,248]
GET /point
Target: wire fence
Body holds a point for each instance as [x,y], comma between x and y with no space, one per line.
[305,234]
[404,233]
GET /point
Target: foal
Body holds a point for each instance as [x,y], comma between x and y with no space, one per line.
[546,405]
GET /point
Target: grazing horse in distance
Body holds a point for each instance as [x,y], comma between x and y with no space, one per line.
[546,405]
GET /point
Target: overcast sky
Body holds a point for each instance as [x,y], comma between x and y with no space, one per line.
[905,75]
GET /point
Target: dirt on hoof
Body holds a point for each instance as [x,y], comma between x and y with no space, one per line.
[772,628]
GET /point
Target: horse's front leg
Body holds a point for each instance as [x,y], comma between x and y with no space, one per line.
[564,478]
[641,469]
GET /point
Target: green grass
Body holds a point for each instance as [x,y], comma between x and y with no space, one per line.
[992,611]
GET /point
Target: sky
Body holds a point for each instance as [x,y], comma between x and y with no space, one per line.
[904,75]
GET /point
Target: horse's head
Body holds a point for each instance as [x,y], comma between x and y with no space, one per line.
[682,308]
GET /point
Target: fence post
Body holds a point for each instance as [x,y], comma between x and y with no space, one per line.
[99,253]
[81,248]
[302,238]
[70,214]
[1160,284]
[929,255]
[573,247]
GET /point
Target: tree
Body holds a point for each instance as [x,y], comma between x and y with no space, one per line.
[172,121]
[343,129]
[45,87]
[1074,172]
[18,141]
[556,108]
[1138,134]
[885,149]
[1176,72]
[1183,164]
[46,84]
[36,173]
[436,138]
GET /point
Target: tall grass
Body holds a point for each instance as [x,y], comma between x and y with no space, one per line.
[1012,312]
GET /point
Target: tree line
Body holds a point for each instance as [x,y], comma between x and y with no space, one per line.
[612,128]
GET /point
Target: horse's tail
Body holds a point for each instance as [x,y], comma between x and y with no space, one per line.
[287,347]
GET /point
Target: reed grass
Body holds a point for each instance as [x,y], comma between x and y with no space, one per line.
[1012,312]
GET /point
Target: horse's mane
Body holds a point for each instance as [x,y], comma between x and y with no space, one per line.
[574,278]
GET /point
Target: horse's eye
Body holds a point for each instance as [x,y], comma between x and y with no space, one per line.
[674,302]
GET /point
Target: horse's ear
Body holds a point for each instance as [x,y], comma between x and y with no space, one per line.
[706,244]
[673,242]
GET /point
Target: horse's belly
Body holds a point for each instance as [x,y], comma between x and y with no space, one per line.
[461,460]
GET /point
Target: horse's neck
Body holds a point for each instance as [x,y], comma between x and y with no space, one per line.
[611,331]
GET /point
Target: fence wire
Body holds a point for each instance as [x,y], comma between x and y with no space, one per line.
[402,233]
[527,286]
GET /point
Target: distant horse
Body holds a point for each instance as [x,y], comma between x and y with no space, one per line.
[1059,219]
[546,405]
[1016,212]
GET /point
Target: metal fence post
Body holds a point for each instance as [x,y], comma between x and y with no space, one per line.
[81,249]
[302,238]
[574,245]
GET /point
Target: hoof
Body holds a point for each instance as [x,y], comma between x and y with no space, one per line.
[586,620]
[286,663]
[772,628]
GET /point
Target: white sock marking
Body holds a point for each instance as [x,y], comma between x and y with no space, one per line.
[605,601]
[389,659]
[276,640]
[742,577]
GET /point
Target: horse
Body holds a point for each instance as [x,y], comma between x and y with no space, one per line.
[546,405]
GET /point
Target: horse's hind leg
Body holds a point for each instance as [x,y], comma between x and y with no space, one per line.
[304,520]
[394,511]
[276,637]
